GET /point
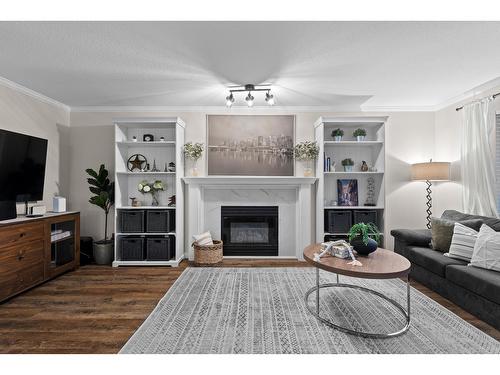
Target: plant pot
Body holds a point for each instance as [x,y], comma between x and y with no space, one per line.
[103,252]
[362,249]
[337,138]
[360,138]
[348,168]
[308,168]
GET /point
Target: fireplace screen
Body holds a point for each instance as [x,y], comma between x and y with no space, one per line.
[249,233]
[250,230]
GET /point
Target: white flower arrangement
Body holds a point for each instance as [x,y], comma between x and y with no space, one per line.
[306,151]
[193,150]
[146,187]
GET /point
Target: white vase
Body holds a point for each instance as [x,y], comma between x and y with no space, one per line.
[347,168]
[337,138]
[360,138]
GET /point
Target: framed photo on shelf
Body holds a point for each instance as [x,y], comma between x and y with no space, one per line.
[347,191]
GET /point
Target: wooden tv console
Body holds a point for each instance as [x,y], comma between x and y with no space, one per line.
[29,255]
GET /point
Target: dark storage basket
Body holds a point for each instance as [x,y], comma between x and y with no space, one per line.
[338,221]
[158,221]
[160,248]
[366,216]
[132,248]
[132,221]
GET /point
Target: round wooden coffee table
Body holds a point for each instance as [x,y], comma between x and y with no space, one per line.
[382,264]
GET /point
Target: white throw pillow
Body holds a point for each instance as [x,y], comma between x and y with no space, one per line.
[487,249]
[203,239]
[462,242]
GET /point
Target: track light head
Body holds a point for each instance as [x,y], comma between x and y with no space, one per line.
[269,98]
[229,100]
[249,99]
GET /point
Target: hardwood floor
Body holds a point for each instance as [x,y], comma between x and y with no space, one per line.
[95,309]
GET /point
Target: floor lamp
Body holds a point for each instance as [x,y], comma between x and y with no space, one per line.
[430,171]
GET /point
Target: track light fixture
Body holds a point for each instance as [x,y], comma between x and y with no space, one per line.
[250,98]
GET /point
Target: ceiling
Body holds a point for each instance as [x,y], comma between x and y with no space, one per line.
[342,65]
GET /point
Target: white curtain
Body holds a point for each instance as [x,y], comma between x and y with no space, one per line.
[478,158]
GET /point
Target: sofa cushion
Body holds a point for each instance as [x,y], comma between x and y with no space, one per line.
[460,216]
[442,232]
[415,237]
[485,283]
[432,260]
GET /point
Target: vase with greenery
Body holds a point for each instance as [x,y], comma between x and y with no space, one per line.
[193,152]
[337,134]
[307,152]
[359,134]
[347,164]
[152,188]
[104,197]
[364,238]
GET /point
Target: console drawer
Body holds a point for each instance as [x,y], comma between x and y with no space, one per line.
[15,282]
[19,234]
[18,257]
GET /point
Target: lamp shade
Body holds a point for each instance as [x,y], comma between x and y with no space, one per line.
[431,171]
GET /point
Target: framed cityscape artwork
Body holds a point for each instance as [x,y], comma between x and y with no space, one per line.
[347,192]
[250,145]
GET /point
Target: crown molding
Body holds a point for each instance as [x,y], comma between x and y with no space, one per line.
[33,94]
[210,109]
[408,108]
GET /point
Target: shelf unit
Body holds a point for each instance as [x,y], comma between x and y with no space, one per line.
[371,150]
[163,152]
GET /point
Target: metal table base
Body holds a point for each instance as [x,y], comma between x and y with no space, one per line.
[315,310]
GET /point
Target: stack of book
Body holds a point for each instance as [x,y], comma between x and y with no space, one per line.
[59,234]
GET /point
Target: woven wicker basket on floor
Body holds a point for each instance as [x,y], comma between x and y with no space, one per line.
[208,254]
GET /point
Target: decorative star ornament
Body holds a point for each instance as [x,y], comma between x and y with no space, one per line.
[136,163]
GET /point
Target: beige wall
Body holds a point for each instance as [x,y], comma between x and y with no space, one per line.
[24,114]
[409,139]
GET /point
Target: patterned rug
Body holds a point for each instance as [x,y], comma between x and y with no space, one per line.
[262,310]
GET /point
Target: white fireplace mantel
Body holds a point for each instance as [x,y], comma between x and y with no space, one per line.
[288,193]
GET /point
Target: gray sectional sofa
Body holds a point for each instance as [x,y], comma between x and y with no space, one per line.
[474,289]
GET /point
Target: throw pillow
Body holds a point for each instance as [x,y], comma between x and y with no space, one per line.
[442,232]
[462,242]
[203,239]
[487,249]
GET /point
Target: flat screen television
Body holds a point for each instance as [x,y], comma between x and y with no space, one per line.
[22,167]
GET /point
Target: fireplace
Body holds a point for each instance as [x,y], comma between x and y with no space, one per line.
[250,230]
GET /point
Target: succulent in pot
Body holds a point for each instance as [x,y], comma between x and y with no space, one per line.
[364,238]
[359,134]
[337,134]
[348,164]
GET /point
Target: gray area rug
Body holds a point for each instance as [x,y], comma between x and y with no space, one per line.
[262,310]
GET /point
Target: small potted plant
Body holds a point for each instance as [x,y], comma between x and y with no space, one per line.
[348,164]
[193,151]
[364,238]
[359,134]
[307,152]
[152,188]
[104,198]
[337,134]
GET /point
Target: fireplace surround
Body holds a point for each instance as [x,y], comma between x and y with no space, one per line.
[249,230]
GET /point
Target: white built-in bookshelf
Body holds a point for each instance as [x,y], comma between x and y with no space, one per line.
[371,150]
[161,153]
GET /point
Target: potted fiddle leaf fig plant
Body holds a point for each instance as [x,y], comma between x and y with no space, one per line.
[364,238]
[104,198]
